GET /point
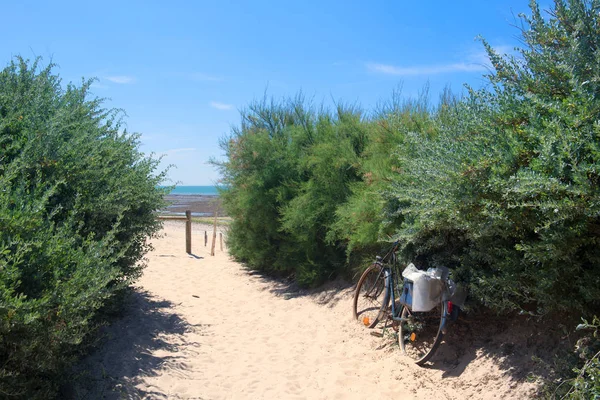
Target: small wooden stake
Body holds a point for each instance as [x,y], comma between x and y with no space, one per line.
[205,238]
[221,240]
[212,249]
[188,231]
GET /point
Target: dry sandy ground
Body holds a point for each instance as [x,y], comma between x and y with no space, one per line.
[202,327]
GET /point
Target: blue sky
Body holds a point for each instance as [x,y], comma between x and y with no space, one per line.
[183,69]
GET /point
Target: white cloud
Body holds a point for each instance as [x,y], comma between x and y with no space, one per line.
[425,70]
[199,76]
[475,61]
[221,106]
[122,79]
[97,85]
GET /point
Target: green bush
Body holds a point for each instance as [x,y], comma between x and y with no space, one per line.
[76,207]
[585,383]
[502,185]
[370,214]
[288,168]
[259,162]
[508,190]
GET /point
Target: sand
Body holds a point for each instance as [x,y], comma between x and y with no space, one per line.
[202,327]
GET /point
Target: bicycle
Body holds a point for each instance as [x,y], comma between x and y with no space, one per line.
[419,333]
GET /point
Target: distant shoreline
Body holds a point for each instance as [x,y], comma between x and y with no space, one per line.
[193,191]
[201,205]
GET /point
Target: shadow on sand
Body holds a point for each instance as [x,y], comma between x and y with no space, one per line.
[327,295]
[127,352]
[521,347]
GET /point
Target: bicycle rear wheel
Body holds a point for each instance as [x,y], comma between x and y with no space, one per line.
[371,297]
[421,333]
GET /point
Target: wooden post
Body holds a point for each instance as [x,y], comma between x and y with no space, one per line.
[188,231]
[205,238]
[221,239]
[212,249]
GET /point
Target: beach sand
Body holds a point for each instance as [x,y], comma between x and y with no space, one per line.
[202,327]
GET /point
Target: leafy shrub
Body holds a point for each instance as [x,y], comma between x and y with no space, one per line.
[259,162]
[508,190]
[502,185]
[585,384]
[288,168]
[76,207]
[370,214]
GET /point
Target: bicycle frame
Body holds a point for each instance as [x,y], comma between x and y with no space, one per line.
[390,269]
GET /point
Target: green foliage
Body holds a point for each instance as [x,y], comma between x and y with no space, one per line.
[502,185]
[508,191]
[306,189]
[259,160]
[370,216]
[76,207]
[288,168]
[586,383]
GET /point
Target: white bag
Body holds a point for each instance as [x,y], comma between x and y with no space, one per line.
[427,287]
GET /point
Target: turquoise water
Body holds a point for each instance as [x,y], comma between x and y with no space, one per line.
[205,190]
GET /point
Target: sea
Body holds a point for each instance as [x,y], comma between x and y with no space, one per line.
[196,190]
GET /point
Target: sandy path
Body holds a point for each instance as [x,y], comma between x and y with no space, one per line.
[204,328]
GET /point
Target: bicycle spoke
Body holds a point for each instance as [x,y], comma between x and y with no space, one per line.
[420,333]
[370,297]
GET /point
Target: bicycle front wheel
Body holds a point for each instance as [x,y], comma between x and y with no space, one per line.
[421,333]
[371,297]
